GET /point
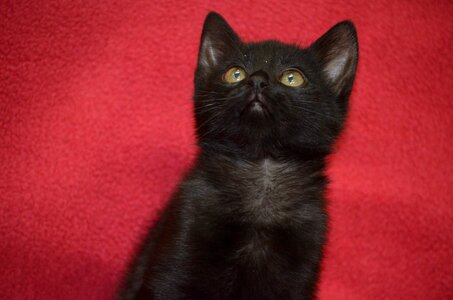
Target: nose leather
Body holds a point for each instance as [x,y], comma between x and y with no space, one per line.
[259,80]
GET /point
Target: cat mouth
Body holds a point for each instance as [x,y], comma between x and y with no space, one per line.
[256,104]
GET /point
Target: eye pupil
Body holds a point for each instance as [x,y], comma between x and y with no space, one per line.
[290,78]
[237,74]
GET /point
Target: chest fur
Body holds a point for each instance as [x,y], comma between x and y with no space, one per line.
[259,210]
[267,192]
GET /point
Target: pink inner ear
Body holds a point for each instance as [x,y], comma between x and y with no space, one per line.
[337,51]
[335,68]
[217,39]
[208,56]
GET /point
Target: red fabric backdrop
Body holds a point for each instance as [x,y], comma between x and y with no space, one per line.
[96,129]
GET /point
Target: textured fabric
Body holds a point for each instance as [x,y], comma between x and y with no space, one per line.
[96,129]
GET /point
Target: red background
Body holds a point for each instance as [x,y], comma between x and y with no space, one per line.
[96,129]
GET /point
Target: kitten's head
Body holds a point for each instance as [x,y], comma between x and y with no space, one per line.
[267,98]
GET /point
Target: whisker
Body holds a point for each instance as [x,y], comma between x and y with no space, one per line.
[315,112]
[307,101]
[204,109]
[222,98]
[215,115]
[207,93]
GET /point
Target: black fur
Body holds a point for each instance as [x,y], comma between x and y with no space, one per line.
[249,221]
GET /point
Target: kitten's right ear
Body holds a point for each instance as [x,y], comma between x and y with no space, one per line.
[217,40]
[337,51]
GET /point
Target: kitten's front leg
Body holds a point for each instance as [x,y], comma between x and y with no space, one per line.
[140,266]
[163,291]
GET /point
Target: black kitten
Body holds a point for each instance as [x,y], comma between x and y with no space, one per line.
[249,220]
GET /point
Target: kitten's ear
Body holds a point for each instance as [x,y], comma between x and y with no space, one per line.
[337,50]
[217,40]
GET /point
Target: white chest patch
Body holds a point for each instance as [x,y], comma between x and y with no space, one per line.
[268,190]
[268,173]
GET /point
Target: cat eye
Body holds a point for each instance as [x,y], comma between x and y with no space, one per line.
[292,78]
[234,74]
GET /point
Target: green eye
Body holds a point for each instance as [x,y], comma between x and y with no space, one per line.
[292,78]
[234,74]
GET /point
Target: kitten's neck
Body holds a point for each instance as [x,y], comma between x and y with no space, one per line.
[255,153]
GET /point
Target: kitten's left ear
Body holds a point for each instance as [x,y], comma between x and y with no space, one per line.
[217,40]
[337,51]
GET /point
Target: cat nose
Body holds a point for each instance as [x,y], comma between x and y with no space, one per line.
[259,80]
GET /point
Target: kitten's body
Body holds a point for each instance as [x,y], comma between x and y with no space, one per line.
[249,241]
[248,222]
